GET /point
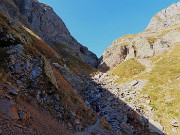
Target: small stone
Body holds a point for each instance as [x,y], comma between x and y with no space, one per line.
[77,122]
[107,118]
[97,76]
[57,97]
[155,127]
[146,96]
[22,115]
[8,83]
[133,83]
[7,96]
[87,103]
[169,81]
[148,101]
[56,107]
[149,108]
[19,126]
[70,126]
[174,123]
[57,65]
[125,118]
[174,130]
[72,113]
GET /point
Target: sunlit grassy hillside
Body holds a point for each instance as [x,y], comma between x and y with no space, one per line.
[163,86]
[127,70]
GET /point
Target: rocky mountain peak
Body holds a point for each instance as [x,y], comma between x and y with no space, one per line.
[165,18]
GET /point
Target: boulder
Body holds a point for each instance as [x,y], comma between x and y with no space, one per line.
[155,127]
[12,90]
[22,115]
[174,123]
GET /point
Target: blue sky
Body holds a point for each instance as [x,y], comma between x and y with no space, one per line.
[96,23]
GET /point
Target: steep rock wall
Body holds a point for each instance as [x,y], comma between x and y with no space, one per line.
[48,25]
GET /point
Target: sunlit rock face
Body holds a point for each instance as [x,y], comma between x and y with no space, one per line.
[162,32]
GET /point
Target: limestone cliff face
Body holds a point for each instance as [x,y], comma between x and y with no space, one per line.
[48,25]
[162,32]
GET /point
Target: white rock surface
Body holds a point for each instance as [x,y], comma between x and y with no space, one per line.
[165,18]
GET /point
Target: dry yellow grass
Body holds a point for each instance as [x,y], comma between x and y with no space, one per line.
[163,88]
[127,70]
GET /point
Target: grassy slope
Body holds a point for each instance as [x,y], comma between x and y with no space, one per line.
[127,70]
[163,85]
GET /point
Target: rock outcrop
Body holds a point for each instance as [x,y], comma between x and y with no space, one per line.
[162,32]
[48,25]
[167,17]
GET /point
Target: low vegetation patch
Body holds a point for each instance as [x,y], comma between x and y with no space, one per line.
[127,70]
[151,39]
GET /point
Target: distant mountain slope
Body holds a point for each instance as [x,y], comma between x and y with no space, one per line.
[162,32]
[48,25]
